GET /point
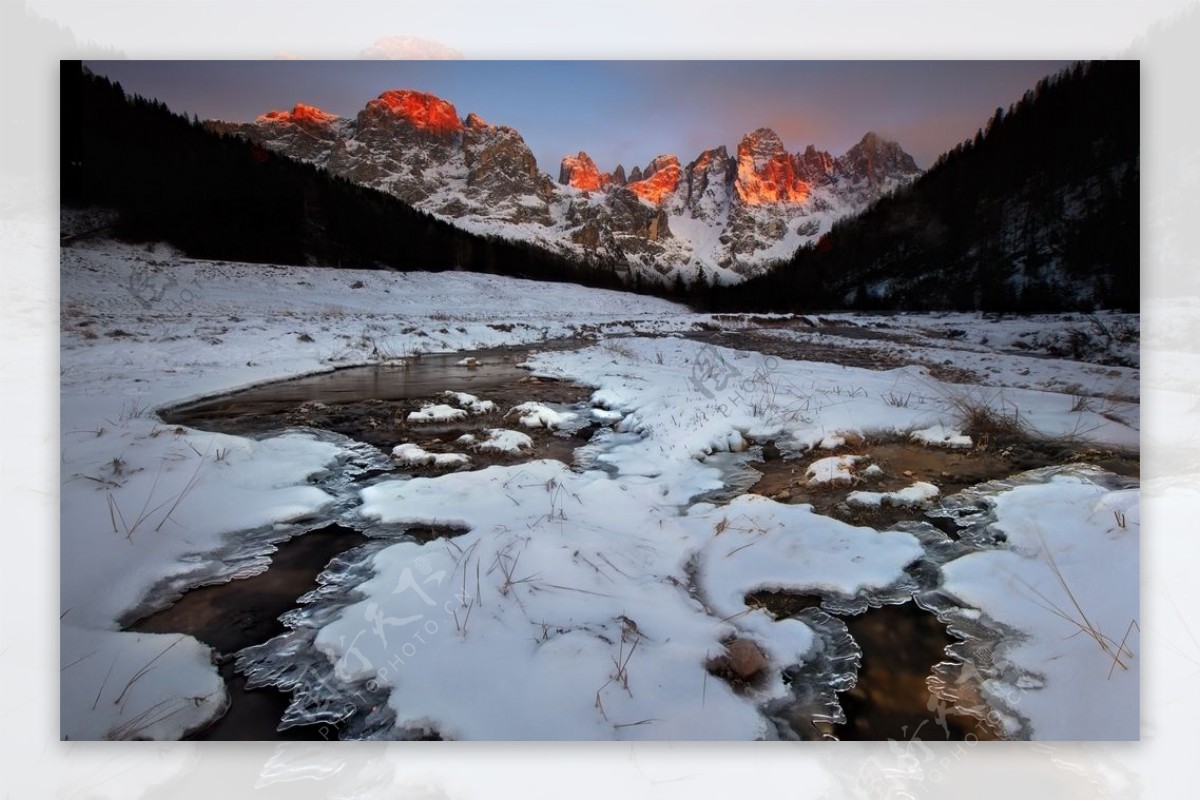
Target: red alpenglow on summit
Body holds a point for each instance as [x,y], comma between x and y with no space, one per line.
[299,114]
[729,213]
[581,172]
[766,172]
[660,179]
[423,111]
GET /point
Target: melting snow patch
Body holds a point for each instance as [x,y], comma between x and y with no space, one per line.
[940,435]
[416,455]
[832,468]
[754,543]
[831,441]
[1059,597]
[605,416]
[471,403]
[919,494]
[436,413]
[538,415]
[505,441]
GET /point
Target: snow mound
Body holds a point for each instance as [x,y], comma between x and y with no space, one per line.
[919,493]
[755,543]
[942,436]
[436,413]
[411,454]
[565,611]
[831,469]
[538,415]
[471,403]
[502,440]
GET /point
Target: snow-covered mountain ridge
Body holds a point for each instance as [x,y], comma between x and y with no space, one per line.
[727,215]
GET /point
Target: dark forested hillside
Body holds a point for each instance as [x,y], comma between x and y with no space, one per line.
[222,197]
[1038,212]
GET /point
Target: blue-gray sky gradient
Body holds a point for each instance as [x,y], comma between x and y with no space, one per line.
[625,112]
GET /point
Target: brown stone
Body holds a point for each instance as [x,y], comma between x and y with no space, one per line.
[746,659]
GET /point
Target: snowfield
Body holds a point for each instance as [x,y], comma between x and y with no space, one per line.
[148,506]
[583,601]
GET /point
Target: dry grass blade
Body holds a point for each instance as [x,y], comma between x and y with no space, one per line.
[146,668]
[1132,625]
[636,723]
[1080,619]
[144,720]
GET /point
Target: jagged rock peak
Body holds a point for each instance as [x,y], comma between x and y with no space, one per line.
[300,113]
[581,172]
[658,180]
[423,111]
[815,166]
[765,171]
[875,158]
[476,122]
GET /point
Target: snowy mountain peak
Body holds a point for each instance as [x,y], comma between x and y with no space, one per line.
[421,110]
[730,214]
[659,179]
[877,160]
[765,171]
[581,172]
[300,114]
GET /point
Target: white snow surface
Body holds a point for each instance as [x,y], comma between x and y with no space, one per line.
[577,585]
[436,413]
[142,328]
[539,415]
[1067,580]
[411,454]
[943,436]
[505,441]
[919,493]
[832,469]
[470,402]
[143,502]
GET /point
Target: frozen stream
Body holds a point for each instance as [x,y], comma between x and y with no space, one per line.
[272,620]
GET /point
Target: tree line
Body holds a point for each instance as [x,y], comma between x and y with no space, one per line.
[1037,212]
[221,197]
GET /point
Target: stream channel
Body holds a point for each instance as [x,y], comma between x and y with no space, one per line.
[898,644]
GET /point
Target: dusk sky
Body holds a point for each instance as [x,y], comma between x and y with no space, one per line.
[625,112]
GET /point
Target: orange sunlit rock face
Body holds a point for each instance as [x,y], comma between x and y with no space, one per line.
[581,172]
[300,113]
[422,110]
[702,162]
[475,122]
[660,179]
[765,171]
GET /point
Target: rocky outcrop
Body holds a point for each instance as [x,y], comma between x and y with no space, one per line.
[503,174]
[658,180]
[581,172]
[708,184]
[766,172]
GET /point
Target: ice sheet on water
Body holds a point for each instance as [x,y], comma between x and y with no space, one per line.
[248,552]
[528,622]
[1035,552]
[291,663]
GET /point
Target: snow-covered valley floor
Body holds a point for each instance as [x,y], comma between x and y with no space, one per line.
[605,598]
